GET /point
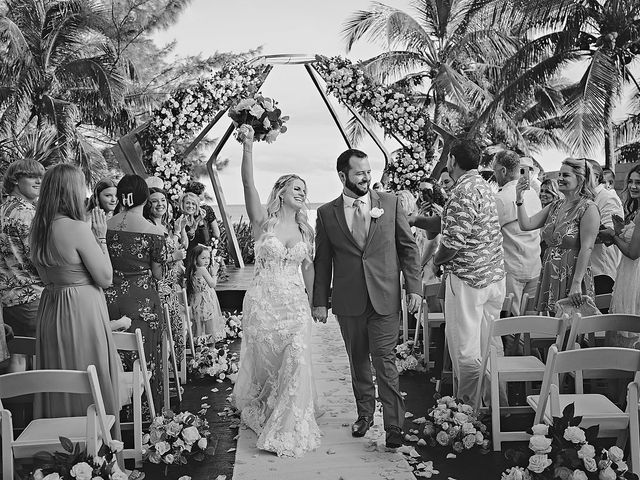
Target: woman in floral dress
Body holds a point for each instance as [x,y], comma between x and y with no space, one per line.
[569,229]
[157,211]
[137,250]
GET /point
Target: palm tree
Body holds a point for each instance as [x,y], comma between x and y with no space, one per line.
[57,69]
[442,46]
[604,36]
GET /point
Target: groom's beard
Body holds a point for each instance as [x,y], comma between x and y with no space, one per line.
[355,188]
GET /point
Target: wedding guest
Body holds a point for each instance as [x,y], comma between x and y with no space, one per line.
[549,191]
[609,179]
[193,226]
[569,229]
[104,196]
[604,259]
[445,180]
[521,248]
[20,285]
[626,236]
[73,321]
[156,210]
[137,250]
[471,253]
[210,221]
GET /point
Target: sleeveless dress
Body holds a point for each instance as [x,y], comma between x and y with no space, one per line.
[206,309]
[170,289]
[275,389]
[626,294]
[562,238]
[73,333]
[134,294]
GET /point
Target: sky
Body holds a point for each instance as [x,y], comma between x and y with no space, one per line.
[312,142]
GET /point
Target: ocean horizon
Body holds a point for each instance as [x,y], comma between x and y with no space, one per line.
[238,212]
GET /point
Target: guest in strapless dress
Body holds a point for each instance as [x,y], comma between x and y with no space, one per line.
[73,322]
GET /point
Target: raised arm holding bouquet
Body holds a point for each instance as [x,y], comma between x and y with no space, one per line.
[262,114]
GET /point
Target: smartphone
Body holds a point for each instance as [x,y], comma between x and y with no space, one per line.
[523,172]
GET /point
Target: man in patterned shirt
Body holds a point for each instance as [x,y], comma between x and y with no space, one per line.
[472,256]
[20,285]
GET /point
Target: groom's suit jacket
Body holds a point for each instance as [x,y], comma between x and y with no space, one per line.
[370,273]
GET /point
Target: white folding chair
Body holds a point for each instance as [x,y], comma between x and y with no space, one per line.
[23,346]
[513,368]
[189,336]
[169,357]
[43,434]
[430,320]
[595,409]
[136,381]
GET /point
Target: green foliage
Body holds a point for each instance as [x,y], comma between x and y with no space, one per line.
[245,241]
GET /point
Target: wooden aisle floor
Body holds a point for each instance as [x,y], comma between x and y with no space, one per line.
[340,456]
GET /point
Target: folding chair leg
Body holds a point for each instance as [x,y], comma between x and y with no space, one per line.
[495,413]
[165,371]
[137,421]
[6,427]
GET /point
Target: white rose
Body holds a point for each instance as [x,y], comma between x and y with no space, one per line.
[575,435]
[579,475]
[169,459]
[376,212]
[162,447]
[607,474]
[587,451]
[116,446]
[590,464]
[615,454]
[202,443]
[82,471]
[190,434]
[540,429]
[52,476]
[38,475]
[540,444]
[537,463]
[119,476]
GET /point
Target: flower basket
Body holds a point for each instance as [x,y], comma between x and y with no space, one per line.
[566,451]
[454,425]
[212,362]
[262,114]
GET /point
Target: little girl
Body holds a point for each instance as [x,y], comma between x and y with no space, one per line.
[205,308]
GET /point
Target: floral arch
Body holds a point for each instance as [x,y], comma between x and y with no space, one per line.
[190,110]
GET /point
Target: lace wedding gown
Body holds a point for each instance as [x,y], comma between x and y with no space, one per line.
[275,388]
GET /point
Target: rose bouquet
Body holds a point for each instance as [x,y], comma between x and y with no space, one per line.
[74,463]
[455,425]
[262,114]
[213,362]
[174,439]
[233,325]
[566,451]
[406,358]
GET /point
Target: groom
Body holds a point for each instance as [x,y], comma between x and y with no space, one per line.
[363,237]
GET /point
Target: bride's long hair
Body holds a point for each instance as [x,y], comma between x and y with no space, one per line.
[274,207]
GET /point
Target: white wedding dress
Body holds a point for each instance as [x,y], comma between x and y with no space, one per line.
[275,389]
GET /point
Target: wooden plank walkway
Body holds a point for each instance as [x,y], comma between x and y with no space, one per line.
[239,279]
[340,455]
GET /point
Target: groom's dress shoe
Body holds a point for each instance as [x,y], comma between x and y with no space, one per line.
[394,437]
[360,427]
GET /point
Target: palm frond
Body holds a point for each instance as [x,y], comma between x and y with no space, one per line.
[355,131]
[628,131]
[367,24]
[403,31]
[389,66]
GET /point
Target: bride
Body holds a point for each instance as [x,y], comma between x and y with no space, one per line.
[275,389]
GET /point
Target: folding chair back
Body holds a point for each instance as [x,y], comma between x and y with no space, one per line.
[603,301]
[43,434]
[189,333]
[528,305]
[600,323]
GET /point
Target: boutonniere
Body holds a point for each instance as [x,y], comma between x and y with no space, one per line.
[376,212]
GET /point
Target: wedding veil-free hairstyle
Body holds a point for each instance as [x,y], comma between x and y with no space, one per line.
[103,184]
[20,168]
[466,154]
[631,204]
[580,168]
[62,192]
[132,191]
[274,205]
[191,265]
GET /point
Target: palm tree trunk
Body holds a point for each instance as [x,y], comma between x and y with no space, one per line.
[609,146]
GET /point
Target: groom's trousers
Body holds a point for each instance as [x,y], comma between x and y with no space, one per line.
[368,338]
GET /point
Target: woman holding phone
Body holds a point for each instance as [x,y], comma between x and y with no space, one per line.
[569,229]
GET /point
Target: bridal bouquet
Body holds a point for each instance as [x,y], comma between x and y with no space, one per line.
[406,358]
[262,114]
[174,439]
[566,451]
[75,463]
[455,424]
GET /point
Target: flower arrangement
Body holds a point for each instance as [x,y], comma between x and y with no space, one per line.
[74,463]
[233,324]
[262,114]
[406,358]
[174,439]
[186,112]
[394,110]
[213,362]
[455,425]
[565,450]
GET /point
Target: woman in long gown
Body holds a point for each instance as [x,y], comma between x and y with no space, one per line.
[275,389]
[73,322]
[137,250]
[569,229]
[626,236]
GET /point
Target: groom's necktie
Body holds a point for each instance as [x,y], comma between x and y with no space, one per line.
[359,225]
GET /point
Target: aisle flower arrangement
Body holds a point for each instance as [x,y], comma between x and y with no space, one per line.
[262,114]
[74,463]
[175,439]
[407,356]
[566,451]
[233,324]
[455,425]
[186,112]
[394,111]
[211,361]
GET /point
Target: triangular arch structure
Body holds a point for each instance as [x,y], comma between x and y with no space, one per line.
[129,154]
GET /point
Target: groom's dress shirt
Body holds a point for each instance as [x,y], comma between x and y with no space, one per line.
[349,210]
